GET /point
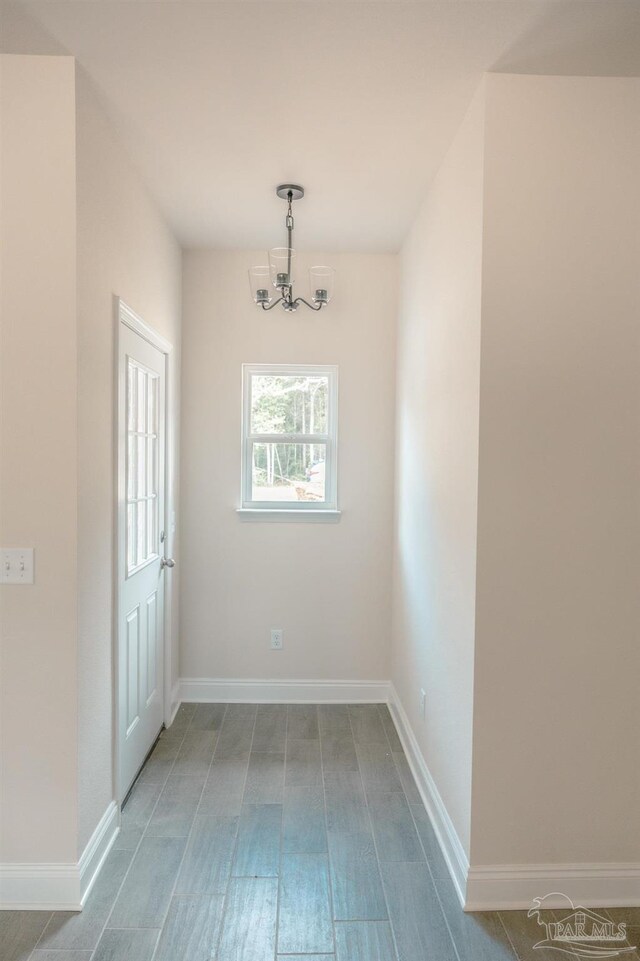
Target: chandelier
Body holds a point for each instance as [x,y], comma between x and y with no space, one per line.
[278,275]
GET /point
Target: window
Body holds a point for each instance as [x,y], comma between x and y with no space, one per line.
[289,444]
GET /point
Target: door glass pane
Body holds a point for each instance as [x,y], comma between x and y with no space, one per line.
[141,465]
[142,400]
[289,405]
[288,472]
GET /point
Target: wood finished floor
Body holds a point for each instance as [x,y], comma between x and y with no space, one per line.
[274,833]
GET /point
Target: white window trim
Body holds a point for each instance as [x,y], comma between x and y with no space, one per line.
[294,509]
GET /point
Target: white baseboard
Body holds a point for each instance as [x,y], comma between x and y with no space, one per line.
[175,703]
[100,843]
[209,689]
[59,887]
[40,887]
[446,834]
[512,887]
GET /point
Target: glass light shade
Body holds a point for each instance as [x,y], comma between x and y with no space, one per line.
[260,285]
[321,281]
[281,263]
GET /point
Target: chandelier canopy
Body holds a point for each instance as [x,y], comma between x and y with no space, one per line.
[278,275]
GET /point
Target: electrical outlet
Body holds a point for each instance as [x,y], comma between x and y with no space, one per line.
[277,638]
[423,702]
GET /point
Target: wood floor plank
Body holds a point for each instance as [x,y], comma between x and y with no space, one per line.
[525,932]
[304,919]
[235,711]
[125,945]
[346,804]
[406,777]
[236,734]
[479,936]
[390,728]
[430,843]
[377,768]
[355,878]
[192,929]
[207,860]
[304,764]
[20,931]
[145,895]
[271,729]
[159,765]
[333,719]
[393,828]
[418,923]
[338,753]
[80,931]
[367,725]
[196,753]
[223,791]
[249,926]
[176,807]
[183,718]
[303,821]
[265,779]
[208,717]
[302,722]
[364,941]
[140,803]
[258,845]
[47,955]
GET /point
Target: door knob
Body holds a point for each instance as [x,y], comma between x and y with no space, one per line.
[167,562]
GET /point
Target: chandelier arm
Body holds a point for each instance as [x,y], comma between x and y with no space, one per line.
[301,300]
[273,304]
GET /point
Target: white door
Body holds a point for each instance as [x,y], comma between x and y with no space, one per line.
[141,538]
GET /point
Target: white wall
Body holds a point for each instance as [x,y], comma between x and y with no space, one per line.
[557,657]
[38,458]
[437,467]
[124,249]
[326,585]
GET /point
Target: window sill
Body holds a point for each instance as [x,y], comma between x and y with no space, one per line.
[268,514]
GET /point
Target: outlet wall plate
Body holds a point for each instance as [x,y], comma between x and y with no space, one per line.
[277,638]
[423,702]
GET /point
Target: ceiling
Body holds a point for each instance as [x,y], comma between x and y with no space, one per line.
[218,102]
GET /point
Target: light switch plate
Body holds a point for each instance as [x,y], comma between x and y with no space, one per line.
[16,565]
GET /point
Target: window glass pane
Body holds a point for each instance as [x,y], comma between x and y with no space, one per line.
[131,536]
[152,472]
[289,405]
[288,472]
[131,466]
[152,405]
[142,466]
[142,533]
[152,526]
[131,395]
[142,399]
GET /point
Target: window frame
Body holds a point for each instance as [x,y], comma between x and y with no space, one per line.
[330,439]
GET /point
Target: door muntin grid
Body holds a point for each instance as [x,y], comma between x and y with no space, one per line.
[141,479]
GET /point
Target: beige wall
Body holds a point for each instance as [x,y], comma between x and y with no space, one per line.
[437,467]
[557,656]
[125,249]
[38,457]
[326,585]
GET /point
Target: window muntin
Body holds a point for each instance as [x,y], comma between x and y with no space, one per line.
[289,438]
